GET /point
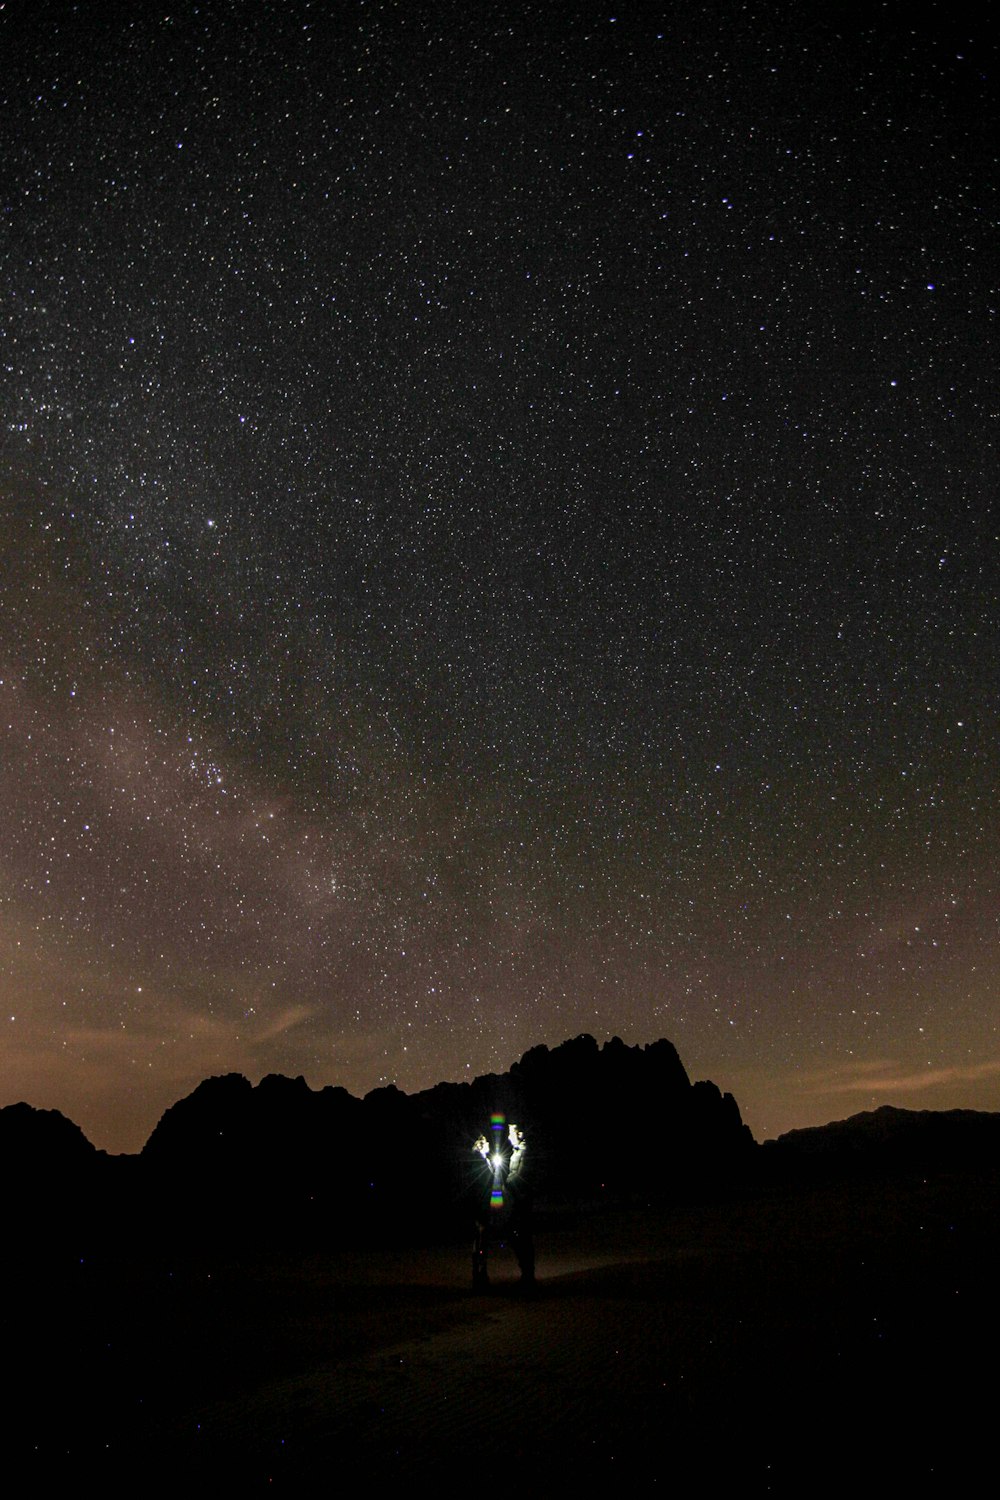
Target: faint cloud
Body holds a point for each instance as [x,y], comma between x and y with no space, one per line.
[887,1077]
[277,1025]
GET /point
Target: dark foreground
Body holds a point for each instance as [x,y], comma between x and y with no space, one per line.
[790,1342]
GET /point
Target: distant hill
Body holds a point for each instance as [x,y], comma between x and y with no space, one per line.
[889,1140]
[53,1180]
[41,1139]
[281,1162]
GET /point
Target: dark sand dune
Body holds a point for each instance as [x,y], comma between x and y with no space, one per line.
[798,1342]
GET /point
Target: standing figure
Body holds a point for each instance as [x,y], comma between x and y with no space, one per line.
[522,1230]
[484,1197]
[521,1221]
[501,1186]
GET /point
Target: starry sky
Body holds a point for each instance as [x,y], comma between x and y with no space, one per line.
[499,539]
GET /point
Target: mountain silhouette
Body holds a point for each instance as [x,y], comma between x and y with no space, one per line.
[605,1121]
[887,1140]
[284,1163]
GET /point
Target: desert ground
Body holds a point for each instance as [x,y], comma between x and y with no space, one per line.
[810,1341]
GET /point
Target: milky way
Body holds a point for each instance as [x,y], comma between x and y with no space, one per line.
[499,541]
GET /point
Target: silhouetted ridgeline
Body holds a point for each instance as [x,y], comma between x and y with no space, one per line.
[886,1141]
[285,1163]
[53,1181]
[599,1121]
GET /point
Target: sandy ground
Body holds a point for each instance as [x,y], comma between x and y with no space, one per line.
[806,1344]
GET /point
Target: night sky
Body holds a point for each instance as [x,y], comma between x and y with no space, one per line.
[499,539]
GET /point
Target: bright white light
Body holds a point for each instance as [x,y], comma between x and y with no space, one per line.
[497,1160]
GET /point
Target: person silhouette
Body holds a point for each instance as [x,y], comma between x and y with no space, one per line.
[486,1173]
[501,1185]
